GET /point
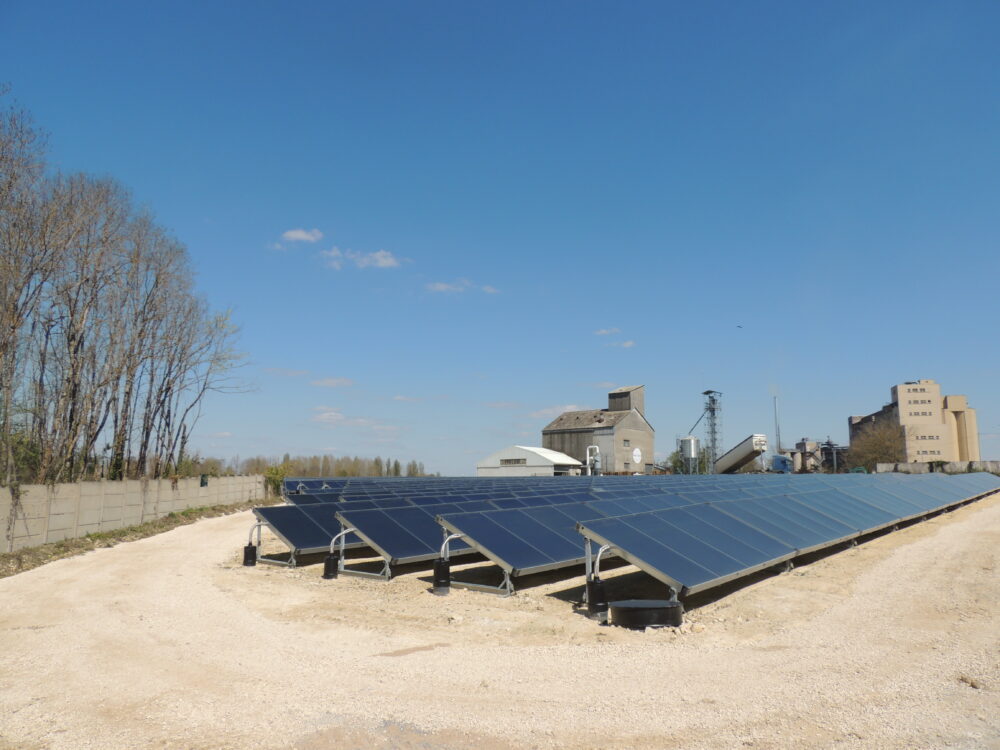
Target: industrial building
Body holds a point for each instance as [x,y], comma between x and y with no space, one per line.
[935,427]
[526,461]
[621,433]
[813,455]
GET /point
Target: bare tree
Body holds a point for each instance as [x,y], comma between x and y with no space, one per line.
[106,351]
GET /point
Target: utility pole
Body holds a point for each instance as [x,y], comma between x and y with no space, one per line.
[777,427]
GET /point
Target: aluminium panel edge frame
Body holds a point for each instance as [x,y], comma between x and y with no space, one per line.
[673,582]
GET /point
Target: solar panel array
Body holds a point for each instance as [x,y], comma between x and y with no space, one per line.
[701,546]
[689,531]
[312,519]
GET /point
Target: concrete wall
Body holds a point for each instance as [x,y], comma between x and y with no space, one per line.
[954,467]
[49,513]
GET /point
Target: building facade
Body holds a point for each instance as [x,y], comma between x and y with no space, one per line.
[621,433]
[528,461]
[935,427]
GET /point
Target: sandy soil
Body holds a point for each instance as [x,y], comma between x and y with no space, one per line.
[169,642]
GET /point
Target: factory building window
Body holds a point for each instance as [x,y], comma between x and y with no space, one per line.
[626,465]
[628,443]
[513,461]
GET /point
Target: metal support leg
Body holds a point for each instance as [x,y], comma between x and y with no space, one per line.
[333,566]
[251,552]
[442,567]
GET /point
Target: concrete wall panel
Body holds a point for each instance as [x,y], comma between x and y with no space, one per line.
[53,513]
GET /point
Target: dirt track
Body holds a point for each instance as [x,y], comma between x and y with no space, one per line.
[169,642]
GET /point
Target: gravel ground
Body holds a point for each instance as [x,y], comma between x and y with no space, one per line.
[169,642]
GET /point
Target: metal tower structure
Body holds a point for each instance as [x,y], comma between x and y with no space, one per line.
[713,427]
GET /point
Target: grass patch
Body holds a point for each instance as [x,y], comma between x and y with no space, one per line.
[33,557]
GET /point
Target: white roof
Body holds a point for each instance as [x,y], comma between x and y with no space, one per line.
[547,456]
[550,455]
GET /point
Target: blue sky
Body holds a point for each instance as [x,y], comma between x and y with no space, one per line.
[440,223]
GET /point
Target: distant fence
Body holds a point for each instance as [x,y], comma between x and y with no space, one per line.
[951,467]
[48,513]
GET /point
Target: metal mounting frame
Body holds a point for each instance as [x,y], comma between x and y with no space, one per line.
[258,527]
[506,587]
[338,541]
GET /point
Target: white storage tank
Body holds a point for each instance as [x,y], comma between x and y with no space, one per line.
[688,446]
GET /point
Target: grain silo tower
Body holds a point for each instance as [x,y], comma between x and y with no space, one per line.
[621,432]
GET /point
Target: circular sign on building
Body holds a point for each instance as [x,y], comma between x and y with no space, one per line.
[637,456]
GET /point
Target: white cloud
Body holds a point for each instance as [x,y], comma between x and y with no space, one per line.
[221,435]
[406,398]
[461,285]
[336,258]
[623,344]
[554,411]
[302,235]
[332,382]
[379,259]
[606,331]
[286,372]
[441,286]
[333,417]
[328,415]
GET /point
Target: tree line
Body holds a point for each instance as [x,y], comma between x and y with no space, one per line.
[333,466]
[275,470]
[106,350]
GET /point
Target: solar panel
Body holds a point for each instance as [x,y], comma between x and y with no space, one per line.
[324,516]
[294,528]
[412,534]
[396,537]
[532,540]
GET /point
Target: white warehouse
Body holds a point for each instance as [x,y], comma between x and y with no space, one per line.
[525,461]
